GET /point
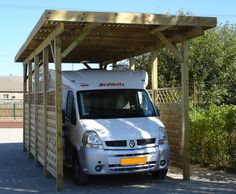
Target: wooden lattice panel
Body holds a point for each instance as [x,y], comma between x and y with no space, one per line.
[165,95]
[169,95]
[51,140]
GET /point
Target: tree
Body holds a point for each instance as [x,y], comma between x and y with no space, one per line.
[212,65]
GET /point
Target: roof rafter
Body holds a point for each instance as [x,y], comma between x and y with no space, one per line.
[87,29]
[58,30]
[170,46]
[159,29]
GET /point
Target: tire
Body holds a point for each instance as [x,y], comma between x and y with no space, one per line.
[79,177]
[161,174]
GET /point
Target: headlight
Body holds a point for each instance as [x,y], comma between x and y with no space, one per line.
[162,135]
[91,139]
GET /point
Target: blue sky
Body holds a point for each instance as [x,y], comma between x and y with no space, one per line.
[18,17]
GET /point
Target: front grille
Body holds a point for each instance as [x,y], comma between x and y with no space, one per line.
[121,143]
[145,141]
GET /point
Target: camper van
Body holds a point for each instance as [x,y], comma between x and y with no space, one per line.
[110,125]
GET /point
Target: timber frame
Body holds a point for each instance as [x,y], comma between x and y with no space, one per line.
[96,37]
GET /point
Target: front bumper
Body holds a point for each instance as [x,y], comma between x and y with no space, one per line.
[109,160]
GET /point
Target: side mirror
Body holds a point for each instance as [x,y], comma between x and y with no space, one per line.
[157,111]
[63,116]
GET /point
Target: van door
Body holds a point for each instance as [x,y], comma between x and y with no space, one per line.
[70,126]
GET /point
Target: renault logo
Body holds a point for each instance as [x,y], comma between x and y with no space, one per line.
[132,143]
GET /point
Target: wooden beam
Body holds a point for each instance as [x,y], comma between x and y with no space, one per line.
[154,70]
[130,18]
[58,100]
[57,31]
[154,75]
[45,102]
[39,24]
[87,29]
[170,46]
[159,29]
[132,63]
[30,102]
[24,99]
[36,90]
[185,114]
[198,31]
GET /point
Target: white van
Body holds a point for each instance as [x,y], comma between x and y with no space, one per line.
[111,125]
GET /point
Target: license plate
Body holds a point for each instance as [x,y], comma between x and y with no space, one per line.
[131,161]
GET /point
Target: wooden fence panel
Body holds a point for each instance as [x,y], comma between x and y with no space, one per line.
[40,143]
[51,140]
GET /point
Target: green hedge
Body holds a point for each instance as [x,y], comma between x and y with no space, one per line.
[213,137]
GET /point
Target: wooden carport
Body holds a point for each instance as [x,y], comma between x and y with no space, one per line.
[94,37]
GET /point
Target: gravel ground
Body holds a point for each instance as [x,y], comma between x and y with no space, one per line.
[19,175]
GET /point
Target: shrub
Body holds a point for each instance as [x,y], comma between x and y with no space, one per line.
[213,136]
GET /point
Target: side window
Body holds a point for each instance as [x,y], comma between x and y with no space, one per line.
[70,106]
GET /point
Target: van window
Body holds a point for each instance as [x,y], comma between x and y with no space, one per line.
[114,104]
[70,105]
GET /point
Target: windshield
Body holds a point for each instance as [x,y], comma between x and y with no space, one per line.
[98,104]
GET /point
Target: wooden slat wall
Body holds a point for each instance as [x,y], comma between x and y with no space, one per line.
[32,130]
[51,140]
[50,134]
[40,143]
[26,126]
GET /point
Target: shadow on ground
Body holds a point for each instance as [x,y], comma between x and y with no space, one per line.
[19,175]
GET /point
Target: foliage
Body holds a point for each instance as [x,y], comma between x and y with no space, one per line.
[212,66]
[213,136]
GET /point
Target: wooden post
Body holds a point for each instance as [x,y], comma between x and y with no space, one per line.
[30,102]
[185,116]
[131,63]
[154,76]
[36,90]
[58,100]
[45,102]
[24,97]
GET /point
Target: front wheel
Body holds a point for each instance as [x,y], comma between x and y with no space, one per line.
[79,177]
[161,174]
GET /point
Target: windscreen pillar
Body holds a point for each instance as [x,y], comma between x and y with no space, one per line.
[185,111]
[154,76]
[58,101]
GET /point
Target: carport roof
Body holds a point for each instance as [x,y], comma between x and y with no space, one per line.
[101,37]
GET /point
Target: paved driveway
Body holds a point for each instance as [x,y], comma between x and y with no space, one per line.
[18,175]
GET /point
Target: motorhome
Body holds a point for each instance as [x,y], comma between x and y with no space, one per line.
[110,125]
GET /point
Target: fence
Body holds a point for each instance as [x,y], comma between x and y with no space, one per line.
[40,129]
[168,101]
[11,108]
